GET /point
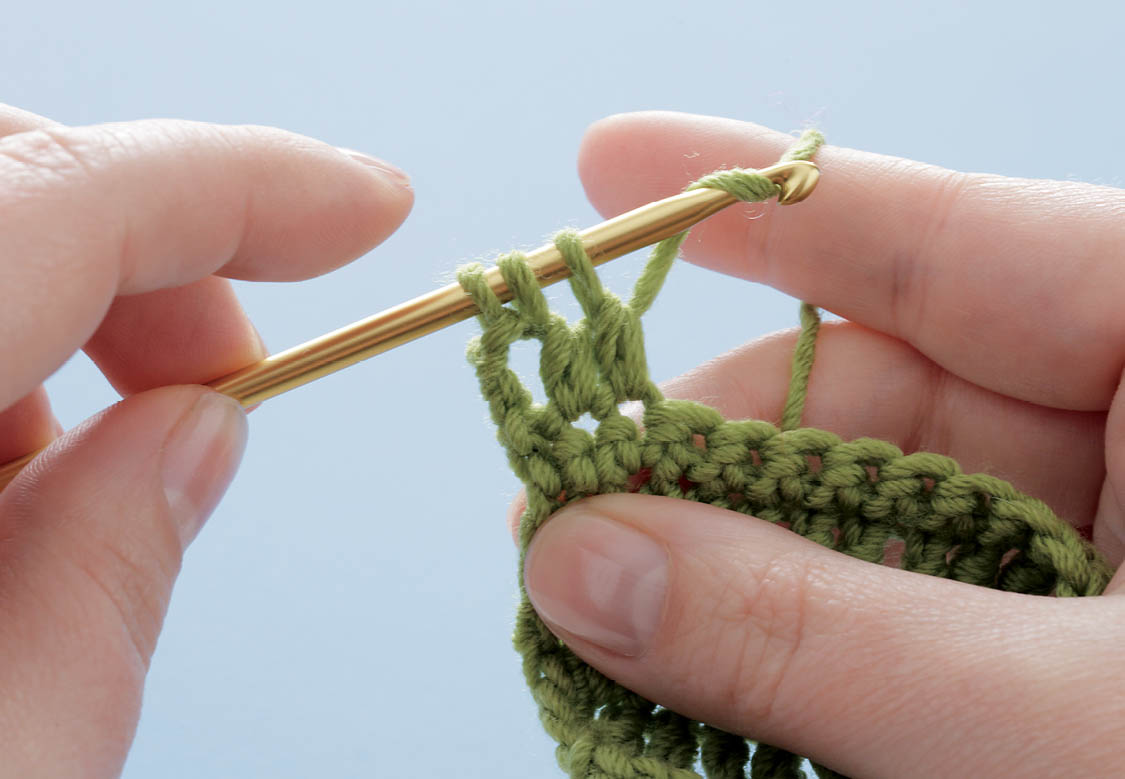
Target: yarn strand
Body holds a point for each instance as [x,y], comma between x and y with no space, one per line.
[855,497]
[803,354]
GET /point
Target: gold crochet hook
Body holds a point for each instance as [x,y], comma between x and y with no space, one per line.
[435,310]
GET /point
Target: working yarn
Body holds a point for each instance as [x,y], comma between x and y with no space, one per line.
[854,497]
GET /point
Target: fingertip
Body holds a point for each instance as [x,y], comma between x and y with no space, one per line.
[199,458]
[393,173]
[598,579]
[611,148]
[326,207]
[628,159]
[388,198]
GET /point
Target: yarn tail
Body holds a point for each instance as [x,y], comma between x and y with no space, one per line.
[803,355]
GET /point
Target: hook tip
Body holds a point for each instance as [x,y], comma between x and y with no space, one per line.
[796,180]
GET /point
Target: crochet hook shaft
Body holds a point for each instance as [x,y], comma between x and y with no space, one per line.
[435,310]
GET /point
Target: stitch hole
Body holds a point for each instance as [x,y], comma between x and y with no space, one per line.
[639,479]
[586,422]
[893,551]
[523,360]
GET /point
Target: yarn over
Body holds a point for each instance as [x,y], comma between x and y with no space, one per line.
[855,497]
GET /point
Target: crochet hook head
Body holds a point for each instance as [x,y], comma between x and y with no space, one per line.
[435,310]
[796,180]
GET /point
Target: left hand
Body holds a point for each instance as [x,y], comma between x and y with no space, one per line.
[986,324]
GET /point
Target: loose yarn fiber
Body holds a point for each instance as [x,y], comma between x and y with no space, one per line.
[854,497]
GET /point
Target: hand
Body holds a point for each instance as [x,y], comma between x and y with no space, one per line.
[985,322]
[114,238]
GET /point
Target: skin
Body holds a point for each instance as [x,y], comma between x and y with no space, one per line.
[984,318]
[116,239]
[984,322]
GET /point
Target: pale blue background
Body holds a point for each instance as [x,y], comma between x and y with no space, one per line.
[347,611]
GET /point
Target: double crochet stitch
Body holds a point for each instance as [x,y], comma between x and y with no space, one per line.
[855,497]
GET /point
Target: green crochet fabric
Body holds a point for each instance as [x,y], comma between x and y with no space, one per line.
[853,497]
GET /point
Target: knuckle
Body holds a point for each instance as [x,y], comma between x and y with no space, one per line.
[44,170]
[911,285]
[81,173]
[774,613]
[755,634]
[70,154]
[132,575]
[50,154]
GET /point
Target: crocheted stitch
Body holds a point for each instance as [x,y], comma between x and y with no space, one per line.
[854,497]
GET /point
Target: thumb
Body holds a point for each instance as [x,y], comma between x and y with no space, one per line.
[91,538]
[870,670]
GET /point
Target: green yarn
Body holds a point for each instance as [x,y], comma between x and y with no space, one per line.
[803,354]
[854,497]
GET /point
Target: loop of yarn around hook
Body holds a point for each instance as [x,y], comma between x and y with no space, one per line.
[853,497]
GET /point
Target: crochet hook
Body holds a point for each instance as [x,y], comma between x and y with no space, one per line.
[448,305]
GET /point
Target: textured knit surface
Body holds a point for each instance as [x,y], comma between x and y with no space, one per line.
[856,497]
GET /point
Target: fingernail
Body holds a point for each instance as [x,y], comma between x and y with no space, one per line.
[598,579]
[394,173]
[199,459]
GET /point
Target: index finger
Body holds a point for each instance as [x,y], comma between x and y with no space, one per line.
[1012,284]
[87,214]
